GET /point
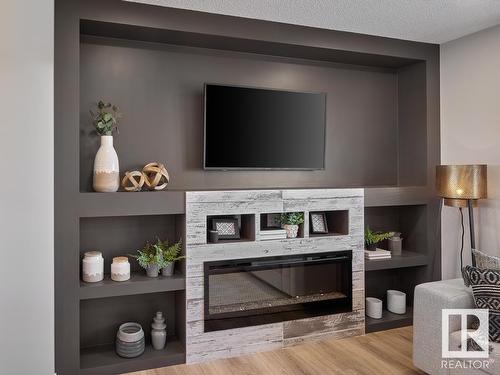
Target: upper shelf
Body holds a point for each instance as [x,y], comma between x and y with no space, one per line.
[131,203]
[406,259]
[139,283]
[397,196]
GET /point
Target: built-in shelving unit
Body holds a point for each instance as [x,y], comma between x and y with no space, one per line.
[385,89]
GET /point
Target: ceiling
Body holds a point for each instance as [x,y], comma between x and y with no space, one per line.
[432,21]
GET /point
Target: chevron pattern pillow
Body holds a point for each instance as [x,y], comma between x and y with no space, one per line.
[486,290]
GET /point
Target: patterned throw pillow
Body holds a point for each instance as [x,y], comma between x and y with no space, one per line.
[484,260]
[486,290]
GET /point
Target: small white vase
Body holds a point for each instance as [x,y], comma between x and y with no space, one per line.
[396,301]
[291,230]
[106,167]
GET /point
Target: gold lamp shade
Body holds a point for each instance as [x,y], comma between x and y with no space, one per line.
[459,183]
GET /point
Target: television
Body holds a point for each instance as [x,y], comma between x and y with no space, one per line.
[255,128]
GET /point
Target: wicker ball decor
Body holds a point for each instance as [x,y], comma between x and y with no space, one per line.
[133,181]
[156,176]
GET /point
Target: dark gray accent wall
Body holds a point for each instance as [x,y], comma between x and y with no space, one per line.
[160,91]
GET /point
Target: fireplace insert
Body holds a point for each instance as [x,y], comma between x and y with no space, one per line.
[254,291]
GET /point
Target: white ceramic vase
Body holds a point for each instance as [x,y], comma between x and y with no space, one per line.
[106,167]
[373,307]
[291,230]
[396,301]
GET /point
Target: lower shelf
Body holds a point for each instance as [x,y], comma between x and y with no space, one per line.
[104,360]
[389,320]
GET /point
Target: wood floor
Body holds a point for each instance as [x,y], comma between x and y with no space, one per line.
[387,352]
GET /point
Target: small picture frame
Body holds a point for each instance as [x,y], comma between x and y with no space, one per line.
[273,220]
[227,229]
[318,222]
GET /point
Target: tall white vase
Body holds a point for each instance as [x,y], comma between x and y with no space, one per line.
[106,167]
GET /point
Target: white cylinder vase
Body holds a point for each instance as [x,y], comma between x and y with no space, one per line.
[396,301]
[106,167]
[374,307]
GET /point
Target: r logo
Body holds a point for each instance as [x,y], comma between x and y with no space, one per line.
[480,336]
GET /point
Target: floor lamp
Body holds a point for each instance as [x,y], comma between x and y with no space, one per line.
[461,186]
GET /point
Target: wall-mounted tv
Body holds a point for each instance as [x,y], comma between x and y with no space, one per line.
[253,128]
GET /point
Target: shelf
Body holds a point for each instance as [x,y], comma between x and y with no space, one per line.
[397,196]
[389,321]
[406,259]
[104,360]
[331,234]
[139,283]
[131,203]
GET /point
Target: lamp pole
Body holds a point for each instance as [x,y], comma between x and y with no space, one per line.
[472,234]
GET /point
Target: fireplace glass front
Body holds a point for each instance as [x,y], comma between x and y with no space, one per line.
[249,292]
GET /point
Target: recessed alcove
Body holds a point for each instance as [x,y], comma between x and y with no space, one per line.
[376,119]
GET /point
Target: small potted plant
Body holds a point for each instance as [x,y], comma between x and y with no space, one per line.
[290,222]
[170,254]
[106,166]
[373,238]
[150,258]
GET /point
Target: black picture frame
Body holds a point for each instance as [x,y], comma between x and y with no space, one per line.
[273,221]
[234,222]
[316,230]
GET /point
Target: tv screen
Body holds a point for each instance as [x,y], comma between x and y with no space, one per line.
[251,128]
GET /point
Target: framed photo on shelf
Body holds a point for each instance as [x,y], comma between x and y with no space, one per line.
[318,222]
[227,229]
[273,220]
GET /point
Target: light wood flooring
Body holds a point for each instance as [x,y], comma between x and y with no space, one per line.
[387,352]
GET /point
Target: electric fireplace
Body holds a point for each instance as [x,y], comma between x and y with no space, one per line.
[249,292]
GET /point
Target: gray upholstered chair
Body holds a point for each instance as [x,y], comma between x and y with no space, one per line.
[430,299]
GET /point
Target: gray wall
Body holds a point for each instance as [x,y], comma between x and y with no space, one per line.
[26,203]
[470,133]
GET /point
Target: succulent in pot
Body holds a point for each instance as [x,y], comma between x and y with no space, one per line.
[151,259]
[373,238]
[170,254]
[290,222]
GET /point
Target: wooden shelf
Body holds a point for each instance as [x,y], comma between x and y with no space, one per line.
[397,196]
[406,259]
[389,321]
[129,204]
[104,360]
[139,283]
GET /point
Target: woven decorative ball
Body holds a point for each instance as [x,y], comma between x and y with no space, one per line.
[156,176]
[133,181]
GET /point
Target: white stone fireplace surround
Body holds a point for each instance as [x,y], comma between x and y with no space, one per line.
[203,346]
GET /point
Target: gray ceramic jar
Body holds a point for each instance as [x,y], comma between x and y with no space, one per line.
[130,341]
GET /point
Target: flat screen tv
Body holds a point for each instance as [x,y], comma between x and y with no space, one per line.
[253,128]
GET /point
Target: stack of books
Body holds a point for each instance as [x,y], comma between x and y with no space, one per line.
[377,254]
[272,234]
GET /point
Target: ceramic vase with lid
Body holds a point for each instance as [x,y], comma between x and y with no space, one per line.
[106,167]
[158,331]
[120,269]
[92,267]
